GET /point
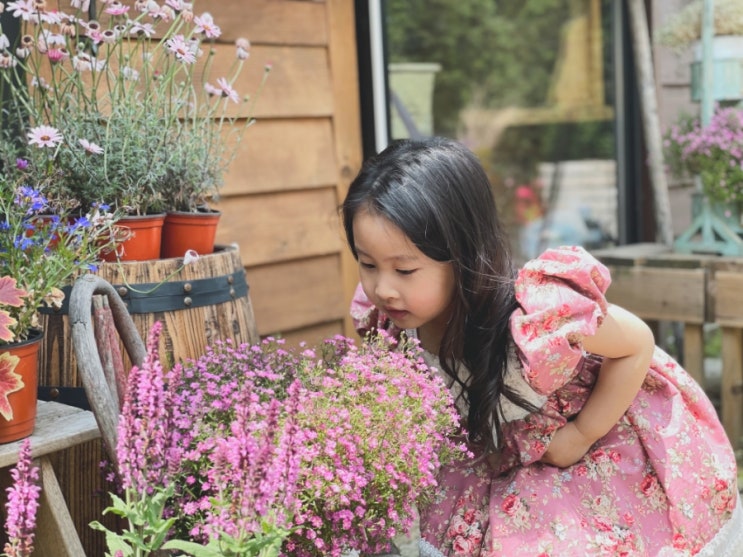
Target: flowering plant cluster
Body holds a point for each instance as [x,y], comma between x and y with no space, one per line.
[120,108]
[685,27]
[22,505]
[316,452]
[40,254]
[714,152]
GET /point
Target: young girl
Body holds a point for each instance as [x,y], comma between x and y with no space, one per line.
[593,441]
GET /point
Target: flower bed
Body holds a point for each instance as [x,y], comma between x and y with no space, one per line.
[319,451]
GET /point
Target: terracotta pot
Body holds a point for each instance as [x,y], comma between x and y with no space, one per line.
[143,237]
[25,357]
[185,231]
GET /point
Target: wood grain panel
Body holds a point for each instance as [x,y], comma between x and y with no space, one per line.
[280,227]
[731,389]
[268,21]
[728,298]
[280,155]
[297,294]
[660,294]
[298,84]
[347,119]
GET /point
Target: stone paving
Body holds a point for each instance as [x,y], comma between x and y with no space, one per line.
[408,545]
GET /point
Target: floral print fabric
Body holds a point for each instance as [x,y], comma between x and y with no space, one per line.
[662,482]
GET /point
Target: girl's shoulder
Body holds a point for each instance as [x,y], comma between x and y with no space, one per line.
[572,265]
[561,300]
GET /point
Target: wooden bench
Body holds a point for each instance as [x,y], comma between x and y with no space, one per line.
[58,427]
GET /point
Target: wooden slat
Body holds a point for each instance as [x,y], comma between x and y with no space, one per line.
[346,120]
[299,83]
[284,226]
[631,254]
[56,535]
[732,384]
[728,298]
[694,352]
[307,290]
[57,427]
[86,491]
[660,294]
[269,21]
[280,155]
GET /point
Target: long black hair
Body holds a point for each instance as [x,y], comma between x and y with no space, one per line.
[437,193]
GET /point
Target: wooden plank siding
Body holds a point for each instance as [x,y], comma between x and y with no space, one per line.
[282,191]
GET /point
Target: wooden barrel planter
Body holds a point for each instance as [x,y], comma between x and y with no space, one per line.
[197,304]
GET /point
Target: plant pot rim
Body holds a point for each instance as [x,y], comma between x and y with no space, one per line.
[199,211]
[143,216]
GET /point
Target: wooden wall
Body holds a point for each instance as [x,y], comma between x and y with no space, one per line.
[281,195]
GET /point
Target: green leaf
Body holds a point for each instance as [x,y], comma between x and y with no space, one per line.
[195,549]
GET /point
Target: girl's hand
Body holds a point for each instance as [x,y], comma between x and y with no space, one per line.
[568,446]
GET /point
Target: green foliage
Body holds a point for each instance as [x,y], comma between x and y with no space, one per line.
[498,53]
[148,529]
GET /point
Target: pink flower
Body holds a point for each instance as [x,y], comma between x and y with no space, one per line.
[91,147]
[212,90]
[190,257]
[82,5]
[22,504]
[116,9]
[205,24]
[227,90]
[182,49]
[22,8]
[44,136]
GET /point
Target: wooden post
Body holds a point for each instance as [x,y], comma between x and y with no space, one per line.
[708,31]
[650,120]
[731,396]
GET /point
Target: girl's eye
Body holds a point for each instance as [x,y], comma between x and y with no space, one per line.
[406,271]
[366,265]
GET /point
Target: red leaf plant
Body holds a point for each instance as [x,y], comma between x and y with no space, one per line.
[10,295]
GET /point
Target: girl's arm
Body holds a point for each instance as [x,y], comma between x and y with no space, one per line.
[627,345]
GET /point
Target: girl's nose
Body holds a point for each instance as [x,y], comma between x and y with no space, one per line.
[385,289]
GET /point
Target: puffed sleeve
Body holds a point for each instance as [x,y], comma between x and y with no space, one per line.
[367,317]
[561,299]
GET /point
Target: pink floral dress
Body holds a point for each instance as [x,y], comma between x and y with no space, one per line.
[662,482]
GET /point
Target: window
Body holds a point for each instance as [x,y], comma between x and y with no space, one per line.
[529,86]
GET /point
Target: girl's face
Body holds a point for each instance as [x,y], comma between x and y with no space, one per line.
[414,290]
